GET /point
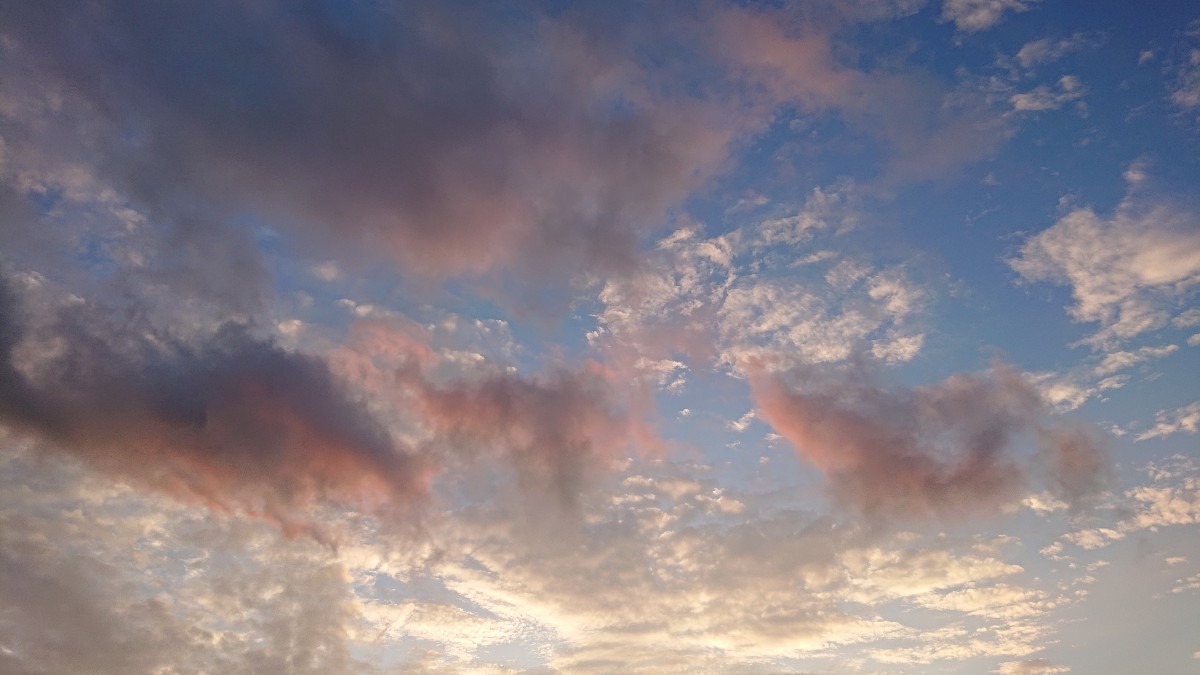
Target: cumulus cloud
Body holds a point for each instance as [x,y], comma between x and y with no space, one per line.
[975,15]
[234,421]
[1120,360]
[1127,271]
[944,449]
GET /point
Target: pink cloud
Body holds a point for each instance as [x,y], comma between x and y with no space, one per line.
[946,449]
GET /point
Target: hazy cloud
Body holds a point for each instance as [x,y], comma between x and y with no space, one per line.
[975,15]
[945,449]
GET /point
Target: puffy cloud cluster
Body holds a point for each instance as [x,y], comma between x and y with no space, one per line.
[103,579]
[715,300]
[1071,389]
[1128,271]
[1046,98]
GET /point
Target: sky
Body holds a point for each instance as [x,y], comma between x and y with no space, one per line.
[838,336]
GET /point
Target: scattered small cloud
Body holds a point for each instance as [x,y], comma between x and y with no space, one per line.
[971,16]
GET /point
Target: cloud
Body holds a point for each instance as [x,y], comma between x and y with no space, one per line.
[1116,361]
[90,582]
[475,142]
[1071,389]
[662,580]
[1171,498]
[971,16]
[233,421]
[555,428]
[1185,419]
[1032,667]
[559,430]
[946,449]
[1127,271]
[1046,50]
[452,141]
[1185,94]
[1045,98]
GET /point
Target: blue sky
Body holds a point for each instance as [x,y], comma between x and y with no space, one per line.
[364,337]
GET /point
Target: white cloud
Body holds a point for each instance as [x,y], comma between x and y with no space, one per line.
[1191,583]
[708,298]
[1032,667]
[1044,503]
[1181,420]
[1067,391]
[1187,319]
[1186,93]
[1116,361]
[1126,271]
[976,15]
[326,271]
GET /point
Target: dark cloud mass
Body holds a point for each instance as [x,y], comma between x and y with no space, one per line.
[237,422]
[456,141]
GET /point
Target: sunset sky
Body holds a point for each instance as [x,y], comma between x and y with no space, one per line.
[838,336]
